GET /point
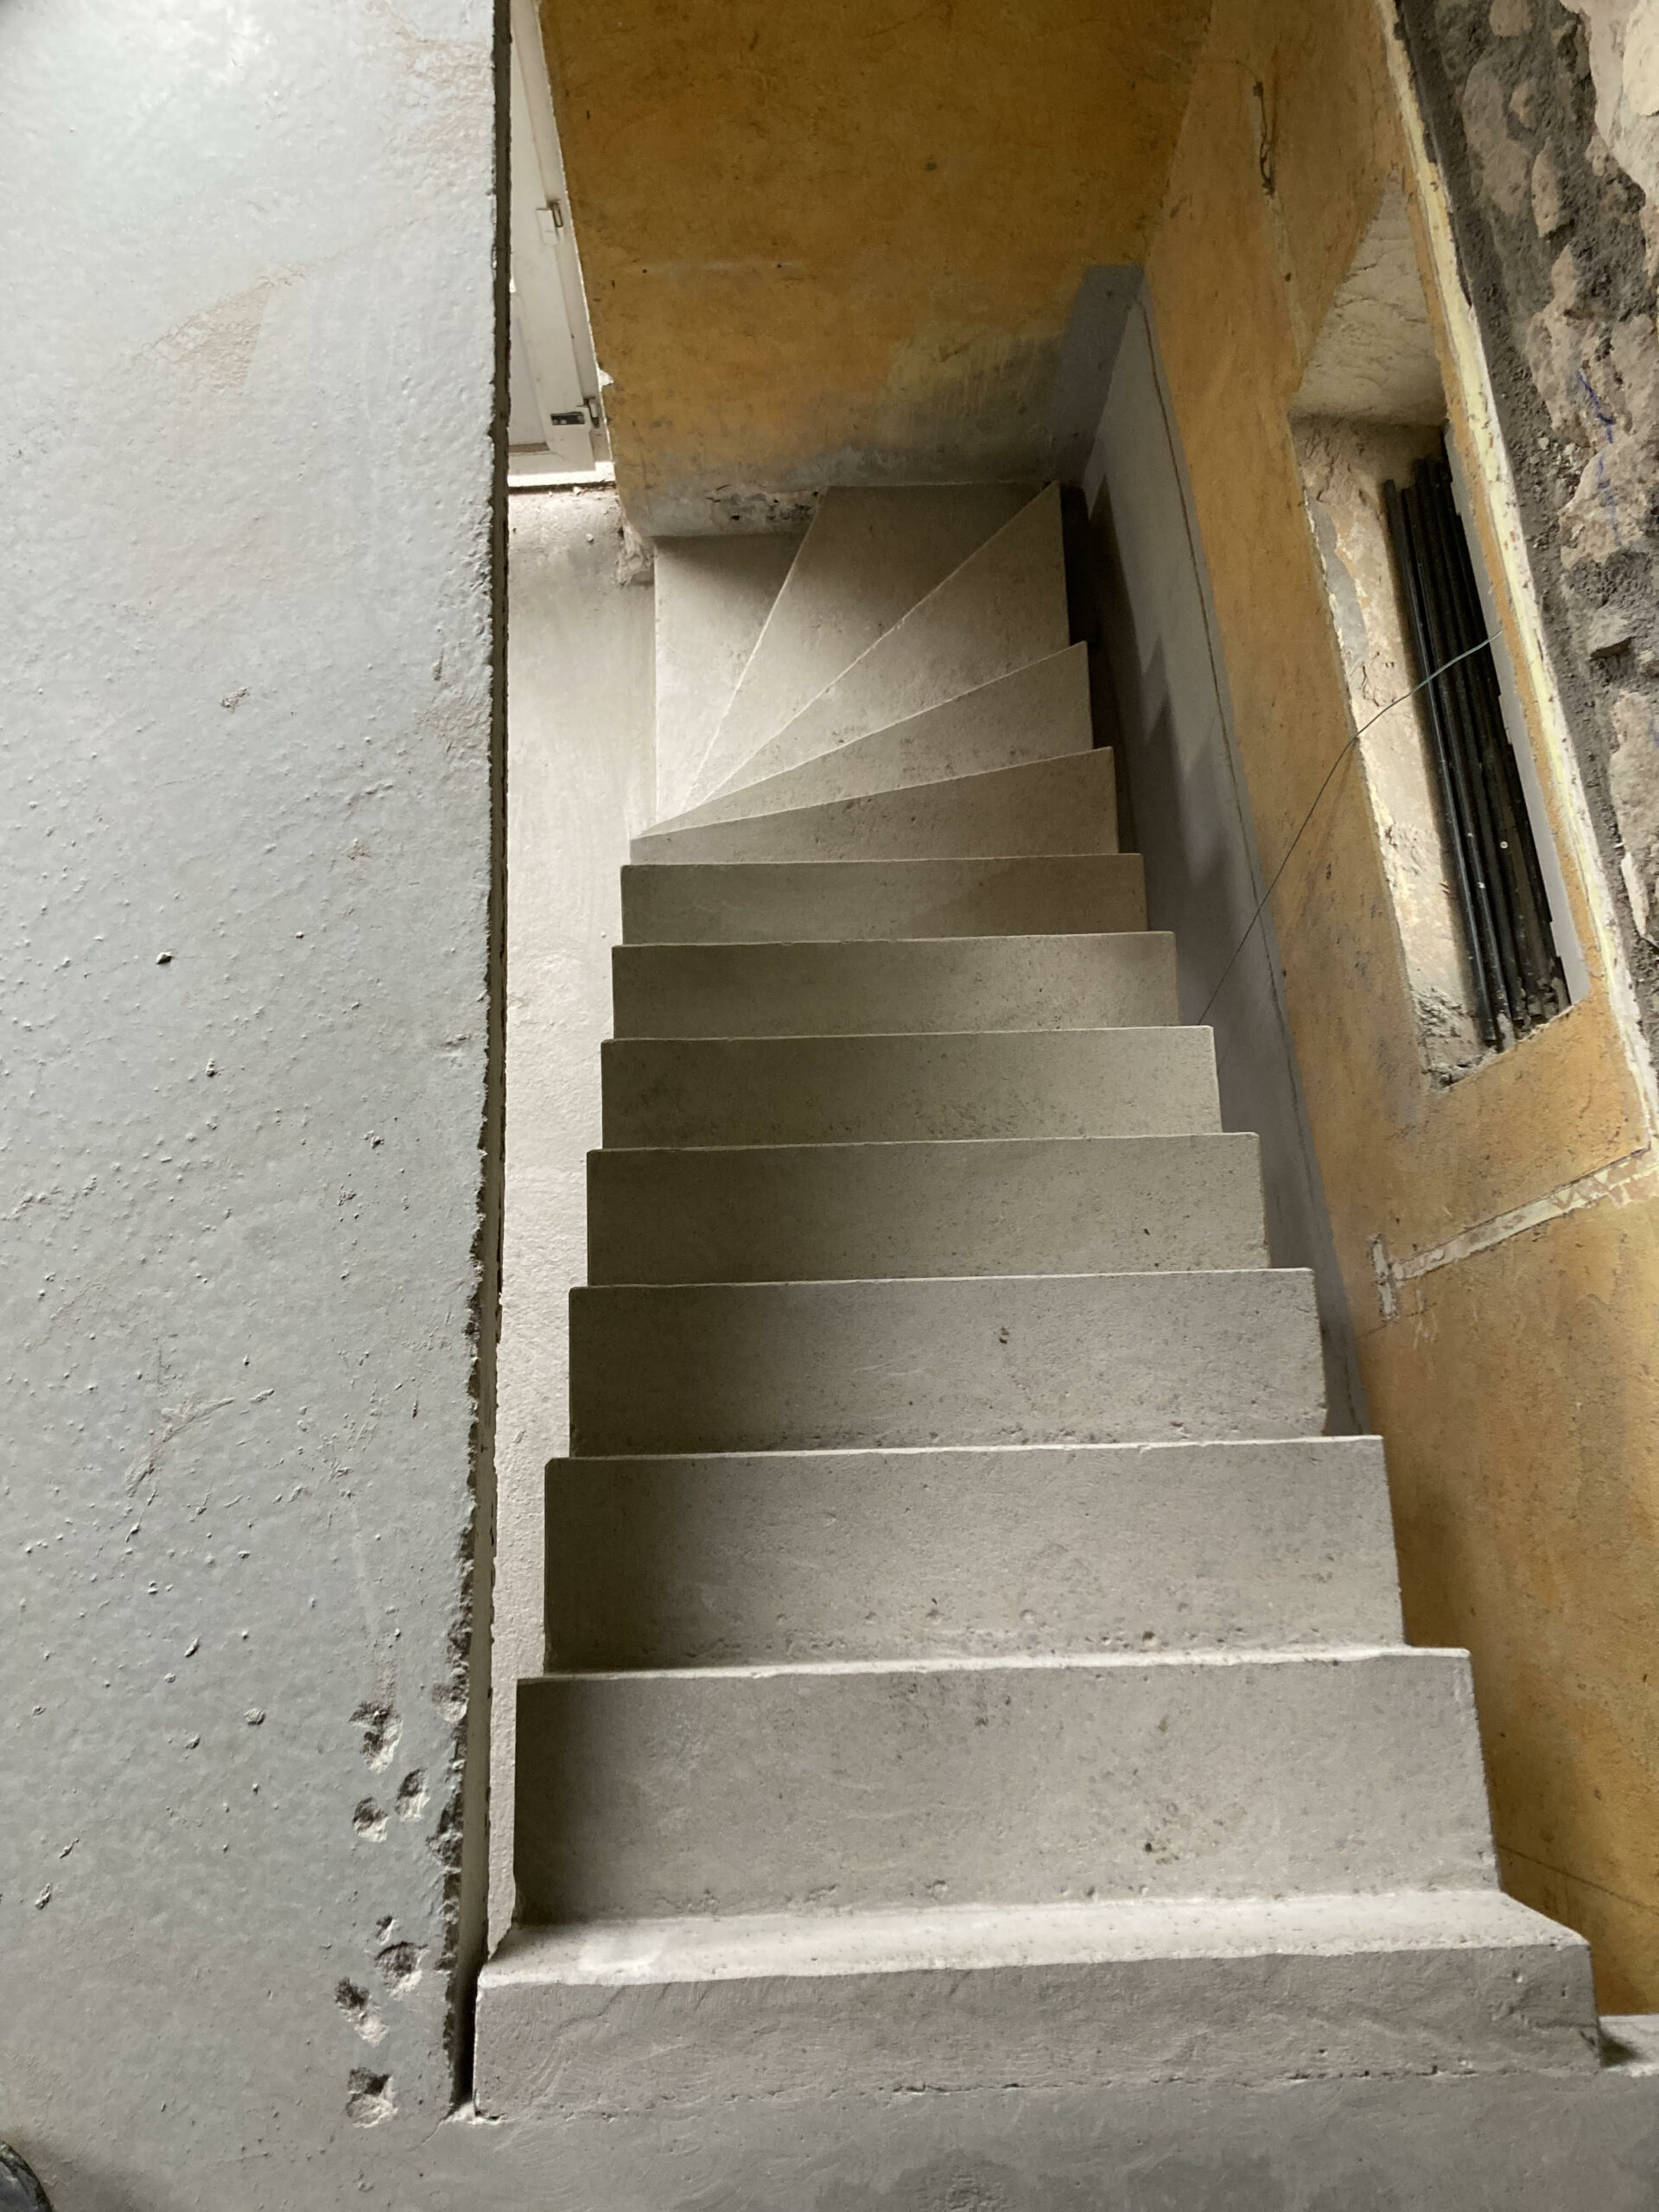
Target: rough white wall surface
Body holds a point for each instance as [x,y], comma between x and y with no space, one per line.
[581,766]
[249,364]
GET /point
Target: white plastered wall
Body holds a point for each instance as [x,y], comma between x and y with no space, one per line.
[580,775]
[248,814]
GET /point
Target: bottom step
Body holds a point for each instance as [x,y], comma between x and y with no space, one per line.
[620,2015]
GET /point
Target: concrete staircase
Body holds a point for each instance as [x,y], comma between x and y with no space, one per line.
[969,1663]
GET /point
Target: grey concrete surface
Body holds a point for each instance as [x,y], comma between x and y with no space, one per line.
[250,810]
[1526,2141]
[882,898]
[579,740]
[953,1999]
[759,1833]
[1546,140]
[1193,814]
[793,1213]
[713,595]
[1033,1083]
[1000,1359]
[876,1783]
[254,846]
[754,1558]
[1033,713]
[868,556]
[1066,805]
[1123,979]
[1003,607]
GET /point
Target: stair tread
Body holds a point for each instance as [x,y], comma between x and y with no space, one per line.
[1066,803]
[951,1206]
[760,902]
[722,1558]
[943,1359]
[1002,606]
[1033,713]
[1084,979]
[866,557]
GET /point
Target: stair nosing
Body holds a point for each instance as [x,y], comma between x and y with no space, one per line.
[1219,1657]
[1138,1444]
[1270,1927]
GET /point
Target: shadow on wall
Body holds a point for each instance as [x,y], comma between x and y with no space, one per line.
[1022,410]
[1192,821]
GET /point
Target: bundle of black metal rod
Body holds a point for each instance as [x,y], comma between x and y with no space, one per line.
[1496,879]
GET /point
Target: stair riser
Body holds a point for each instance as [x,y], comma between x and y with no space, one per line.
[832,1366]
[882,898]
[1054,806]
[742,1561]
[1241,2020]
[647,1794]
[1035,713]
[808,1213]
[896,1089]
[966,983]
[1002,608]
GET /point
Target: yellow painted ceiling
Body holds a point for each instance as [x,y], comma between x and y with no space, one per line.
[839,241]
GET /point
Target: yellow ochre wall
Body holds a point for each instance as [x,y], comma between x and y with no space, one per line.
[856,228]
[1514,1386]
[820,242]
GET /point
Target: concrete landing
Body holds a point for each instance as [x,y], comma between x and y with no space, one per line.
[857,1089]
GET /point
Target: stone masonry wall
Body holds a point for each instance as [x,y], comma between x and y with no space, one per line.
[1545,120]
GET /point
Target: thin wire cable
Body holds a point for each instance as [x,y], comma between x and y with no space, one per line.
[1262,903]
